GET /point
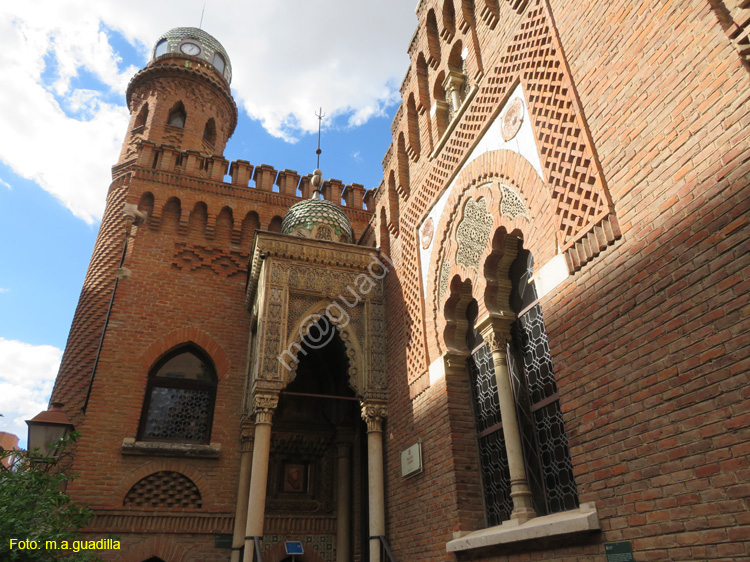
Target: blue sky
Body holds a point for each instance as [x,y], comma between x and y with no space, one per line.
[63,117]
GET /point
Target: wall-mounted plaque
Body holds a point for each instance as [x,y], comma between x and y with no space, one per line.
[411,460]
[294,547]
[619,552]
[223,541]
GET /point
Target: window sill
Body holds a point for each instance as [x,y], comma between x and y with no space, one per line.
[163,449]
[585,518]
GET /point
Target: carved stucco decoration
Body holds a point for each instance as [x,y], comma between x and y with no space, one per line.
[427,231]
[264,406]
[343,332]
[272,337]
[445,274]
[473,233]
[511,205]
[298,304]
[332,283]
[374,413]
[377,348]
[297,284]
[488,188]
[512,119]
[323,233]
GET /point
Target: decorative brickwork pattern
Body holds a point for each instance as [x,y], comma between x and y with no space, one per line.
[579,194]
[582,209]
[88,322]
[166,489]
[734,16]
[193,257]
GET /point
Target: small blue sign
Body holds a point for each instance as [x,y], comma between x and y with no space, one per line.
[294,547]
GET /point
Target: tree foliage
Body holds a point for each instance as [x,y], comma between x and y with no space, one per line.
[34,506]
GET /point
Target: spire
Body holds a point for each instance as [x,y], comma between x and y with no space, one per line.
[320,116]
[317,178]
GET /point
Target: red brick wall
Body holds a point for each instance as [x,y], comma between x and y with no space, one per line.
[650,339]
[186,281]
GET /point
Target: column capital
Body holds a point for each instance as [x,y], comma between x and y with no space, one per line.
[454,80]
[495,330]
[264,405]
[247,435]
[373,413]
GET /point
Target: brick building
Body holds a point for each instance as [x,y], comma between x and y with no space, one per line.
[530,342]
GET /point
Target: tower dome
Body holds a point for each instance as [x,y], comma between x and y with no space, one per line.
[194,42]
[317,218]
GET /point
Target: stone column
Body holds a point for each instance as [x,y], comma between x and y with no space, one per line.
[373,414]
[264,406]
[453,84]
[496,335]
[344,501]
[240,514]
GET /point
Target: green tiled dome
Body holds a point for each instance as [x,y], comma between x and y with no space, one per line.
[209,47]
[317,218]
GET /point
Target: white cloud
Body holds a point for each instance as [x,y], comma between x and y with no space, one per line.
[67,156]
[288,58]
[27,373]
[5,184]
[4,290]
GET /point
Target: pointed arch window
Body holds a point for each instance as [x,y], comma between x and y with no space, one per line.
[209,133]
[180,396]
[140,120]
[177,116]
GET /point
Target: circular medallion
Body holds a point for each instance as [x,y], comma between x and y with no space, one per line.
[427,231]
[512,119]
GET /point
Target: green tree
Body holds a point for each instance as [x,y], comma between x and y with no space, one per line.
[34,506]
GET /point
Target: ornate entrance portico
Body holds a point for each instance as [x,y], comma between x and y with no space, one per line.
[306,296]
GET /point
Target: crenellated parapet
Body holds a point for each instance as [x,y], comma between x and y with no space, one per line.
[261,178]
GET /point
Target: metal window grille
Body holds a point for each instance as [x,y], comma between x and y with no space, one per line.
[493,459]
[545,444]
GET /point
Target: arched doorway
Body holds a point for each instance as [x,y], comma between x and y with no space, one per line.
[317,485]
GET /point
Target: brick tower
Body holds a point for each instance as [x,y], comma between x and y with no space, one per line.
[155,371]
[189,74]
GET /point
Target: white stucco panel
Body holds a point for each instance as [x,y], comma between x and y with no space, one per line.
[523,144]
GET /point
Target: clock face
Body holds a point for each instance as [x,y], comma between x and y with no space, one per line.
[190,49]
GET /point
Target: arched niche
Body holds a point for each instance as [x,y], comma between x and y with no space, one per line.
[488,178]
[304,331]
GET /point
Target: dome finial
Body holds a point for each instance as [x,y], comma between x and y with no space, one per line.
[316,181]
